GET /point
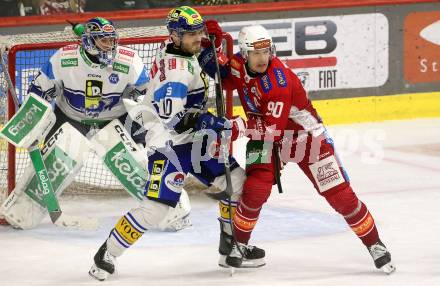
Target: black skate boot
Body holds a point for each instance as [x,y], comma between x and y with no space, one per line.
[104,264]
[381,257]
[245,256]
[255,255]
[225,244]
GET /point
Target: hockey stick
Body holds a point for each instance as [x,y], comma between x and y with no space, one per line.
[49,198]
[277,168]
[224,148]
[220,106]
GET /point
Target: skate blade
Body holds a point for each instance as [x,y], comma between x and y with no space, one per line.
[98,274]
[77,223]
[388,268]
[255,263]
[222,261]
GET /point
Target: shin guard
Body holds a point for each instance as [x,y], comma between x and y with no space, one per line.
[356,214]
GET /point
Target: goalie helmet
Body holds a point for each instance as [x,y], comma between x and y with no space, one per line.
[96,30]
[253,38]
[184,19]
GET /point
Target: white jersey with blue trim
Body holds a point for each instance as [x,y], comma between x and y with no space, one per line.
[178,86]
[86,91]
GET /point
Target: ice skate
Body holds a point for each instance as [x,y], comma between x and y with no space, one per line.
[245,256]
[381,257]
[104,264]
[254,256]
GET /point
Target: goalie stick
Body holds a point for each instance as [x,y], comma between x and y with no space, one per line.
[56,215]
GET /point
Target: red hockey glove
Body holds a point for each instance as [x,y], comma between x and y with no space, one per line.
[234,128]
[238,127]
[213,28]
[255,126]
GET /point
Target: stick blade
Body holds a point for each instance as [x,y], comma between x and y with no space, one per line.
[77,223]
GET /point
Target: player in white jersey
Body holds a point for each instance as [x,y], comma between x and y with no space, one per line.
[87,82]
[176,99]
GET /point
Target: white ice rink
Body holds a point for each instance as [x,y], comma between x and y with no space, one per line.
[394,167]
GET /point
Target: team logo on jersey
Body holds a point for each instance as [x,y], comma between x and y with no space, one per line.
[265,83]
[121,67]
[71,62]
[93,94]
[113,78]
[281,79]
[156,178]
[174,181]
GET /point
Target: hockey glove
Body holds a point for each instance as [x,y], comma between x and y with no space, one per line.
[209,121]
[236,128]
[256,128]
[213,28]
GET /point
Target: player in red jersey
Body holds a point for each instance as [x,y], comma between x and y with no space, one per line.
[283,124]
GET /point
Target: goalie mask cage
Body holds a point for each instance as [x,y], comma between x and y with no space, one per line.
[24,56]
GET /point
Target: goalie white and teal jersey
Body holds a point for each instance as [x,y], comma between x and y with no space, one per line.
[177,92]
[86,91]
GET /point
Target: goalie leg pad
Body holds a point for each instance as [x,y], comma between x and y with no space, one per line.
[122,157]
[21,211]
[132,225]
[63,156]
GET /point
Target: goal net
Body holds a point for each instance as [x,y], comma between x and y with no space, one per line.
[24,56]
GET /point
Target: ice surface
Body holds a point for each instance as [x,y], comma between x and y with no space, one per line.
[394,168]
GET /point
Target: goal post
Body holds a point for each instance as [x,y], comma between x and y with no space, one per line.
[25,54]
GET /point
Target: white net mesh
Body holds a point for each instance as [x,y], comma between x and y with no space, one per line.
[3,143]
[68,36]
[94,177]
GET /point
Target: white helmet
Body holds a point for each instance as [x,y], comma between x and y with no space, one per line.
[253,38]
